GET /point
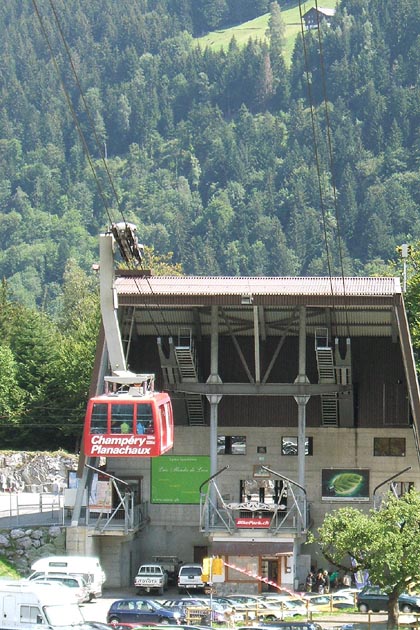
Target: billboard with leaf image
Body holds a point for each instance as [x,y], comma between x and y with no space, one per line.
[345,484]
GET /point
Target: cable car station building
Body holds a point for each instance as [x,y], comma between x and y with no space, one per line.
[291,397]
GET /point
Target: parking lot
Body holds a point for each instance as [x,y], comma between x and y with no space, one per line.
[97,610]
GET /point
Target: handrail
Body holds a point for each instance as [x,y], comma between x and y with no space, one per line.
[102,472]
[390,479]
[273,472]
[212,477]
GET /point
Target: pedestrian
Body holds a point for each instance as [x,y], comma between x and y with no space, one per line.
[320,582]
[309,582]
[347,580]
[334,580]
[327,581]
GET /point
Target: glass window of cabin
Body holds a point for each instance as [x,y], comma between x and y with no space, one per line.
[99,421]
[122,418]
[144,418]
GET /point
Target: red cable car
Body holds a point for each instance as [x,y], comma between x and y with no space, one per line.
[129,422]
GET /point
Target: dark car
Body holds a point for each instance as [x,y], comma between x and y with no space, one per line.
[372,598]
[142,611]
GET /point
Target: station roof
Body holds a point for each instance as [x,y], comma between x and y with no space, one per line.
[358,306]
[269,306]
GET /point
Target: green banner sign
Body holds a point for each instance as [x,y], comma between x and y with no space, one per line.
[177,478]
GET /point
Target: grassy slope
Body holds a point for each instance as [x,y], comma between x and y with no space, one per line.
[256,29]
[7,571]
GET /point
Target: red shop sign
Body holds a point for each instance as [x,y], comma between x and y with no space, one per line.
[252,523]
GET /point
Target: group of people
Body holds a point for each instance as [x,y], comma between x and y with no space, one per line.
[321,581]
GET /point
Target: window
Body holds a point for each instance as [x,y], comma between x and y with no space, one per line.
[122,418]
[269,491]
[401,487]
[231,445]
[389,447]
[99,418]
[144,421]
[289,445]
[30,614]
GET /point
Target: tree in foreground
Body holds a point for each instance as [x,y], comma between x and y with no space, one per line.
[384,542]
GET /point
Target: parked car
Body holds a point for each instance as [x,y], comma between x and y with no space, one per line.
[66,590]
[279,596]
[372,598]
[291,608]
[189,578]
[129,626]
[141,610]
[171,565]
[76,583]
[255,607]
[327,602]
[202,606]
[284,625]
[151,577]
[96,625]
[199,608]
[156,626]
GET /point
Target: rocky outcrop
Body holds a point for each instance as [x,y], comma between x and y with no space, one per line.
[34,471]
[21,547]
[37,472]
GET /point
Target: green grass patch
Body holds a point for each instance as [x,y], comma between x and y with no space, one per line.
[257,29]
[7,571]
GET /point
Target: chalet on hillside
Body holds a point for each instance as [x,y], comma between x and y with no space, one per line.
[316,16]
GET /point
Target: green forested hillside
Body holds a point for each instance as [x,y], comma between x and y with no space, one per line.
[233,160]
[211,153]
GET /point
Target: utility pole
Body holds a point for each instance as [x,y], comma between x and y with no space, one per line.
[405,252]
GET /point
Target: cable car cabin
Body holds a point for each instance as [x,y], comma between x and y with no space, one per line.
[128,424]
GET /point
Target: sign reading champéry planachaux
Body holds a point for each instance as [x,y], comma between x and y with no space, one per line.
[177,478]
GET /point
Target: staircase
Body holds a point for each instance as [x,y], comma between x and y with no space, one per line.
[326,374]
[187,365]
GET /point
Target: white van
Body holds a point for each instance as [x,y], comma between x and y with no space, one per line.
[26,605]
[86,566]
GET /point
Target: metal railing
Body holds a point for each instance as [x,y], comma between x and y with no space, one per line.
[123,515]
[216,514]
[18,508]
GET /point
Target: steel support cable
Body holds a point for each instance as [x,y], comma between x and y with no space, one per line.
[331,162]
[99,144]
[72,110]
[333,296]
[315,146]
[101,152]
[82,137]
